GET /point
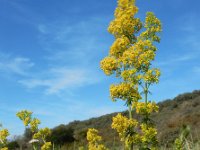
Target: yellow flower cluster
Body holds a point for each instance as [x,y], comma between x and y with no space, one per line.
[92,135]
[119,46]
[139,55]
[46,146]
[179,144]
[152,75]
[153,26]
[25,116]
[34,124]
[130,58]
[109,65]
[143,108]
[3,139]
[124,91]
[148,134]
[131,76]
[94,140]
[42,134]
[124,22]
[3,136]
[122,124]
[125,3]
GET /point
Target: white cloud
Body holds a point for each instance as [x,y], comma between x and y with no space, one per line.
[75,43]
[191,31]
[16,65]
[176,60]
[60,79]
[70,53]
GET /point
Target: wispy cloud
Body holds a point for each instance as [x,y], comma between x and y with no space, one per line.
[187,45]
[61,79]
[71,51]
[175,60]
[191,31]
[79,43]
[16,65]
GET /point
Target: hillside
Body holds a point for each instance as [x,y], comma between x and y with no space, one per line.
[173,114]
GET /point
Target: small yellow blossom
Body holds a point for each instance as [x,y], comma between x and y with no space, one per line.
[34,124]
[124,91]
[46,146]
[148,134]
[42,134]
[94,140]
[119,46]
[25,116]
[152,75]
[143,108]
[109,65]
[3,136]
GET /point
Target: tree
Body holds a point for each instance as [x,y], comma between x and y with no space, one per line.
[62,134]
[130,59]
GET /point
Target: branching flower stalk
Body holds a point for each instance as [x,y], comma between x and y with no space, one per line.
[38,134]
[94,140]
[130,59]
[3,138]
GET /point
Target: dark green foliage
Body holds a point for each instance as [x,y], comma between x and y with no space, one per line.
[13,145]
[62,134]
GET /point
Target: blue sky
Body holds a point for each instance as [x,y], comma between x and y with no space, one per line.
[50,53]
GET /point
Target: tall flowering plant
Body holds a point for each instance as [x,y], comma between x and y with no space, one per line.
[3,138]
[39,135]
[130,60]
[94,140]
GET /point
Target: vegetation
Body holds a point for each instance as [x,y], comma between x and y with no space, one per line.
[39,136]
[130,60]
[140,127]
[170,119]
[3,138]
[174,115]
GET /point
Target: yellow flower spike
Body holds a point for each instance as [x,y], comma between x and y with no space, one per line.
[124,21]
[109,65]
[124,91]
[152,75]
[130,58]
[4,148]
[34,124]
[42,134]
[119,46]
[46,146]
[149,133]
[94,140]
[142,108]
[3,136]
[25,116]
[123,125]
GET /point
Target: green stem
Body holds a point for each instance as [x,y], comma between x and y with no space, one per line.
[130,117]
[146,92]
[146,101]
[34,147]
[130,111]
